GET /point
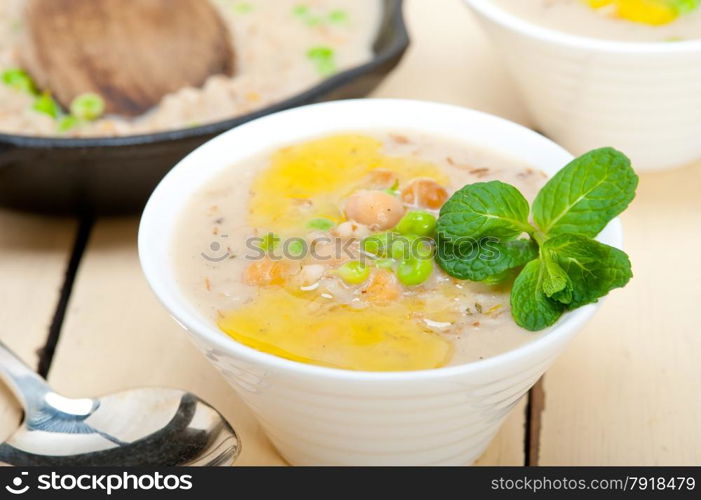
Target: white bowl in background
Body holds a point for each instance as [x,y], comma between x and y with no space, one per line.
[585,93]
[324,416]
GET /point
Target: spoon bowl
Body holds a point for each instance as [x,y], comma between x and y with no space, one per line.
[138,427]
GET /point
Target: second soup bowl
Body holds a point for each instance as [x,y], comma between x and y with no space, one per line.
[642,98]
[325,416]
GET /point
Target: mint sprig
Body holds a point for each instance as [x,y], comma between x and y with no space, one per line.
[484,234]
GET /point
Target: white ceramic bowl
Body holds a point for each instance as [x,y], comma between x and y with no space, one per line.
[584,93]
[324,416]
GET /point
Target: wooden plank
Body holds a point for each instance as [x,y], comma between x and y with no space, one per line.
[508,447]
[117,336]
[627,390]
[450,60]
[34,254]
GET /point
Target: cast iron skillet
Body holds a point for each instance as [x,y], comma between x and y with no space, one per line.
[115,175]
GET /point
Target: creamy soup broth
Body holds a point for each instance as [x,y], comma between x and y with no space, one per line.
[304,311]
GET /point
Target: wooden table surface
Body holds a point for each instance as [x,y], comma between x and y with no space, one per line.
[627,391]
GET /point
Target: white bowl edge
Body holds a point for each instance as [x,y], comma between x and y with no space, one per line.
[504,18]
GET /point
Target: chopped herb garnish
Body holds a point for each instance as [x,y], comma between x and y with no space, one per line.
[338,16]
[19,80]
[558,265]
[47,105]
[243,8]
[394,190]
[320,53]
[324,59]
[312,18]
[300,10]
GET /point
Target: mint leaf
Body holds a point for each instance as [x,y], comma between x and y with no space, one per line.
[583,197]
[530,306]
[484,209]
[556,282]
[503,278]
[594,269]
[478,260]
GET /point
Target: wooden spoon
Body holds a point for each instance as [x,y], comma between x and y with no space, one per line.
[132,53]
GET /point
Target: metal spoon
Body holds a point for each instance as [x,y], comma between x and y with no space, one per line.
[148,427]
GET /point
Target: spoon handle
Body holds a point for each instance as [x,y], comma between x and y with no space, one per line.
[29,388]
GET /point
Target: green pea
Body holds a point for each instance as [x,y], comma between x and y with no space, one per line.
[296,248]
[321,224]
[401,247]
[385,264]
[270,242]
[418,223]
[410,246]
[422,248]
[354,273]
[413,272]
[378,244]
[338,16]
[88,106]
[19,80]
[47,105]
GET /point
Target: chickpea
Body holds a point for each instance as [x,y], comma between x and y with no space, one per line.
[351,230]
[267,272]
[425,193]
[381,178]
[383,288]
[376,209]
[310,274]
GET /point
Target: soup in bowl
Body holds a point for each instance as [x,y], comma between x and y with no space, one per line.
[305,255]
